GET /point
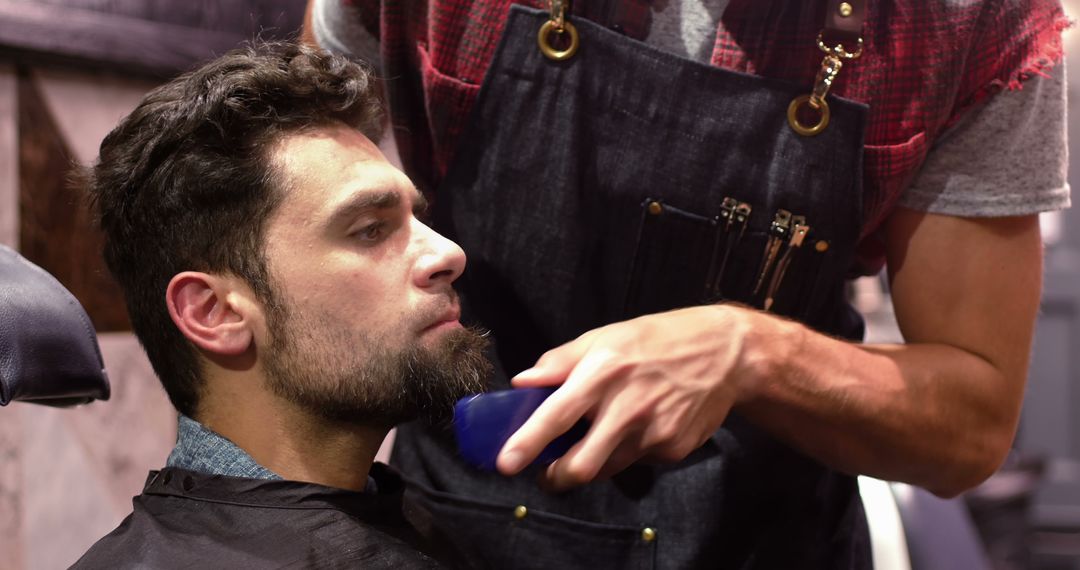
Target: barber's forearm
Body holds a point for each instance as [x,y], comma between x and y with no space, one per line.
[928,414]
[307,32]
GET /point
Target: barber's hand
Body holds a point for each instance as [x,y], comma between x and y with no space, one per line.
[655,387]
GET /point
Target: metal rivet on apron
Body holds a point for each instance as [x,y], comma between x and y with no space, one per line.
[821,246]
[845,9]
[648,534]
[656,208]
[520,511]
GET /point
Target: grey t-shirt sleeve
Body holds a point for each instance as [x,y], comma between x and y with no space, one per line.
[337,27]
[1006,158]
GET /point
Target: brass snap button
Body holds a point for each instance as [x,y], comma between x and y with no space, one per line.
[520,512]
[648,534]
[656,208]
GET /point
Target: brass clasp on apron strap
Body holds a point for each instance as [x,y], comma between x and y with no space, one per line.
[830,68]
[559,25]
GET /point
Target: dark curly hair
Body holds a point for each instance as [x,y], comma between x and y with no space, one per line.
[186,182]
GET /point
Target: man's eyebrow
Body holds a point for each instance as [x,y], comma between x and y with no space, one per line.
[377,200]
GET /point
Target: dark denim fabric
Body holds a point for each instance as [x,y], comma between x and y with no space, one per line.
[199,449]
[592,190]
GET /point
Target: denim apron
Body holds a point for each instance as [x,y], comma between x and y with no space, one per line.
[626,181]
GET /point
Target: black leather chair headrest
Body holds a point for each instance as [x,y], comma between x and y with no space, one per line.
[48,349]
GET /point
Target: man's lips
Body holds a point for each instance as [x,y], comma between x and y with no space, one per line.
[450,317]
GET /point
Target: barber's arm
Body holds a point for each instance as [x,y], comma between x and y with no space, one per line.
[307,32]
[939,411]
[347,28]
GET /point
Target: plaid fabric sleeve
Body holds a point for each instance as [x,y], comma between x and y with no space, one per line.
[1014,40]
[1005,158]
[946,60]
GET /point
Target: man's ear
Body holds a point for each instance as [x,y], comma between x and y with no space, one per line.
[206,312]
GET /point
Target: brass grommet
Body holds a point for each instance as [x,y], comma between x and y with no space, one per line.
[552,53]
[821,246]
[520,512]
[793,116]
[845,9]
[648,534]
[656,208]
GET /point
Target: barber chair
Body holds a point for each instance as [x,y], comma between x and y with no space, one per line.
[48,349]
[911,529]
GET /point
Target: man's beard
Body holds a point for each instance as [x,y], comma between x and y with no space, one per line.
[343,376]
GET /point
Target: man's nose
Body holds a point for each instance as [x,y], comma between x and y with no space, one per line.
[442,259]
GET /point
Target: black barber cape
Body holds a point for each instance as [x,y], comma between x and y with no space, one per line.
[188,519]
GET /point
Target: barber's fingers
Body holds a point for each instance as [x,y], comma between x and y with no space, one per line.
[564,408]
[626,429]
[617,412]
[555,365]
[630,451]
[626,454]
[608,449]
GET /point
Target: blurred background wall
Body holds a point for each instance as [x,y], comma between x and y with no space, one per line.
[1048,443]
[70,69]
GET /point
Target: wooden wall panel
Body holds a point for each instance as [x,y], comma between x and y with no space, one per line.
[9,177]
[55,229]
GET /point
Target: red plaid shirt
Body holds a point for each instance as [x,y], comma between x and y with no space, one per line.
[924,64]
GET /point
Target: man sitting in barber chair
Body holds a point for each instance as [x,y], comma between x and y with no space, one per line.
[293,307]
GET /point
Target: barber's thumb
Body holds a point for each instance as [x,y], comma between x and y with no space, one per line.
[555,366]
[539,375]
[551,370]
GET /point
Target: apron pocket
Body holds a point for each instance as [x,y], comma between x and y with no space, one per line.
[793,287]
[683,259]
[671,259]
[503,536]
[801,294]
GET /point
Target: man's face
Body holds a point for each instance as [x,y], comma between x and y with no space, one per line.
[364,325]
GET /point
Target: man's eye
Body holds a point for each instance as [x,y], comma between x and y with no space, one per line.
[371,233]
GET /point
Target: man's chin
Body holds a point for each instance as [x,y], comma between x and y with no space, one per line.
[454,368]
[423,381]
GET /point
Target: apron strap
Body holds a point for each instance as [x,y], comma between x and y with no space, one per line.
[844,19]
